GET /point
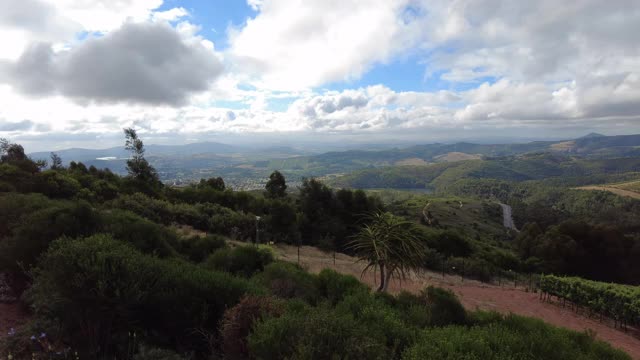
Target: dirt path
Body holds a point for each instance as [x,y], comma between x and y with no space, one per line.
[473,295]
[614,190]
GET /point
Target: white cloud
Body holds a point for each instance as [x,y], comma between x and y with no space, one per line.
[293,45]
[536,64]
[138,62]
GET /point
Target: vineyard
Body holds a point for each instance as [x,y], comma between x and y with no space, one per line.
[619,302]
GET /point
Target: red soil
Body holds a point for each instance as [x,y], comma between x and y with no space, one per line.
[476,295]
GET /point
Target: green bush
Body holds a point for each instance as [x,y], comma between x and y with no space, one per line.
[288,281]
[151,353]
[119,289]
[444,307]
[381,320]
[241,260]
[238,322]
[334,286]
[56,185]
[513,338]
[314,333]
[29,228]
[198,248]
[144,235]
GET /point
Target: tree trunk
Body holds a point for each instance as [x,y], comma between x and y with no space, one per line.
[382,277]
[387,280]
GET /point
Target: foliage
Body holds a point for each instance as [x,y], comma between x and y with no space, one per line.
[213,183]
[444,307]
[514,337]
[288,281]
[144,176]
[118,289]
[198,248]
[276,186]
[314,333]
[238,322]
[240,260]
[620,302]
[335,287]
[391,245]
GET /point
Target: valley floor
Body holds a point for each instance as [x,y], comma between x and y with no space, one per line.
[473,295]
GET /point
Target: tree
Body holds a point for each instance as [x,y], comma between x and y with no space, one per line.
[138,167]
[276,186]
[391,245]
[14,154]
[214,183]
[56,161]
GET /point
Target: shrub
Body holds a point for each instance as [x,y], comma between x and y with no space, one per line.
[118,289]
[288,281]
[30,229]
[314,333]
[241,260]
[513,338]
[152,353]
[334,286]
[198,248]
[144,235]
[444,307]
[381,320]
[56,185]
[238,322]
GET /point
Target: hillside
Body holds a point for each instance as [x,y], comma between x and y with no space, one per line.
[243,166]
[515,168]
[346,161]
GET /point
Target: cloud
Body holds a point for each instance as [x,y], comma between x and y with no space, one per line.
[293,45]
[23,125]
[529,40]
[137,63]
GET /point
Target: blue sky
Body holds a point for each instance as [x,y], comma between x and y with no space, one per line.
[75,73]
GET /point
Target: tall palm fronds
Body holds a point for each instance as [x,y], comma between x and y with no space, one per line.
[390,244]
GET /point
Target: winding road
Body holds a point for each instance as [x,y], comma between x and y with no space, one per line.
[507,217]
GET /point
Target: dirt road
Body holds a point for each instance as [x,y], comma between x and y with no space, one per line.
[473,295]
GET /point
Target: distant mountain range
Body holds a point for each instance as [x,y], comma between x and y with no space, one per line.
[590,146]
[193,161]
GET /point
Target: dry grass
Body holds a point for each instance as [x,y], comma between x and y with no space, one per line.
[457,156]
[563,146]
[613,189]
[411,162]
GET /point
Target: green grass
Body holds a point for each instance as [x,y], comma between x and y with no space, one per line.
[476,218]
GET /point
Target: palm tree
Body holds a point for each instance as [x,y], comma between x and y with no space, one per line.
[390,244]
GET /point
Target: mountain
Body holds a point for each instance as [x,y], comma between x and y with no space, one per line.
[539,166]
[84,155]
[592,135]
[591,146]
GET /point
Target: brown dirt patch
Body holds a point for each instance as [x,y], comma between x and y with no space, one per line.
[612,189]
[457,156]
[411,162]
[473,295]
[563,146]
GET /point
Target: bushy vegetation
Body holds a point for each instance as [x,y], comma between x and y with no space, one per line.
[126,267]
[619,302]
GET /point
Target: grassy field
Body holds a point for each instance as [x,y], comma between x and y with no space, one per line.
[478,218]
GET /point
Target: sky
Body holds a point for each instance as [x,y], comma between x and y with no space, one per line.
[73,73]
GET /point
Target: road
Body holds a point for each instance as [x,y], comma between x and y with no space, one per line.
[507,217]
